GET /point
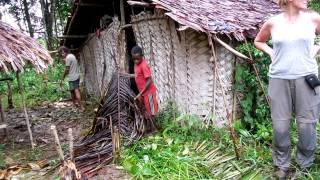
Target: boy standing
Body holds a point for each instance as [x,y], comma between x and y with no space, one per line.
[145,85]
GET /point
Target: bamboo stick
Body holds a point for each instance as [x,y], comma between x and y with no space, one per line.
[25,110]
[57,142]
[214,72]
[70,144]
[237,53]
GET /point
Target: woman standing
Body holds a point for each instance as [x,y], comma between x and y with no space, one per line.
[293,33]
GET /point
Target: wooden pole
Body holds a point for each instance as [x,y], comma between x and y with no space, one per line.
[10,101]
[229,116]
[122,14]
[70,144]
[25,110]
[57,142]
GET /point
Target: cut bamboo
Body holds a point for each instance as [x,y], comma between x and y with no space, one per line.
[57,142]
[71,144]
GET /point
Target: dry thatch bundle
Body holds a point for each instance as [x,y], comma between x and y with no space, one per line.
[116,110]
[17,48]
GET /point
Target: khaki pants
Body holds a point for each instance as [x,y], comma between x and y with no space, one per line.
[288,98]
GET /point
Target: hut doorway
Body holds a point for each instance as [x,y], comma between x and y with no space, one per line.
[130,42]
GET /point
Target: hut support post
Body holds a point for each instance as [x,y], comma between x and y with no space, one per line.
[229,116]
[25,110]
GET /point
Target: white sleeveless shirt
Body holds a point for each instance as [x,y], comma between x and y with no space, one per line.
[292,48]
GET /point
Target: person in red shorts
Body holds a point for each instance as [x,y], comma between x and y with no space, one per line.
[143,79]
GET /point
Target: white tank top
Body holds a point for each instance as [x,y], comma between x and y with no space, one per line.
[292,48]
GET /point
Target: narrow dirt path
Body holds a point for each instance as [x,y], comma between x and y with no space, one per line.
[17,148]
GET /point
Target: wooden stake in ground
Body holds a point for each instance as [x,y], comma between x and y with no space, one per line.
[57,142]
[68,169]
[25,110]
[70,143]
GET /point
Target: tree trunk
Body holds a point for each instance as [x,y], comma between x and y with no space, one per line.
[27,17]
[48,19]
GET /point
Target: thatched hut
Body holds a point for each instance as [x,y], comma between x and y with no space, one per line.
[18,49]
[186,44]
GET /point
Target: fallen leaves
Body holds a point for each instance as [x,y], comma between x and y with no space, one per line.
[16,169]
[9,172]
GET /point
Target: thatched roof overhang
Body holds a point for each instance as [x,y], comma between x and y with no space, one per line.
[18,49]
[236,18]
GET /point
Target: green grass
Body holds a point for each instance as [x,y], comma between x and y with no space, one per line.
[188,152]
[172,152]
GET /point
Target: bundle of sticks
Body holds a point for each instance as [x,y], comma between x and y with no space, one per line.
[118,115]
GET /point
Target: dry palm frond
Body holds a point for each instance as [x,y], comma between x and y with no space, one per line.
[96,147]
[221,164]
[69,171]
[16,49]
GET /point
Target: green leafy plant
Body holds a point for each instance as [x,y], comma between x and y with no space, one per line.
[256,112]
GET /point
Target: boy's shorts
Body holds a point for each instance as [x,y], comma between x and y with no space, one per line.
[74,84]
[150,102]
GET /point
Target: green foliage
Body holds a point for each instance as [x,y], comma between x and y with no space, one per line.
[35,155]
[315,5]
[34,88]
[254,106]
[63,9]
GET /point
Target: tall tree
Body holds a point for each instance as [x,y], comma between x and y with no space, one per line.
[47,7]
[21,10]
[27,17]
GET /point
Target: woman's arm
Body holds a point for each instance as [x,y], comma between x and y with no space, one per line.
[316,20]
[262,37]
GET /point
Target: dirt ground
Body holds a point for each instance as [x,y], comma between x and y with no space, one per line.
[63,115]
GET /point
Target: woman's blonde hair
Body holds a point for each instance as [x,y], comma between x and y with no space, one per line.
[282,3]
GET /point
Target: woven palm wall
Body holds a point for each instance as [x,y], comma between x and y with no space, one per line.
[151,32]
[182,66]
[98,57]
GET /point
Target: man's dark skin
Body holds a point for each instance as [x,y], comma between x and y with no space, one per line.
[75,94]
